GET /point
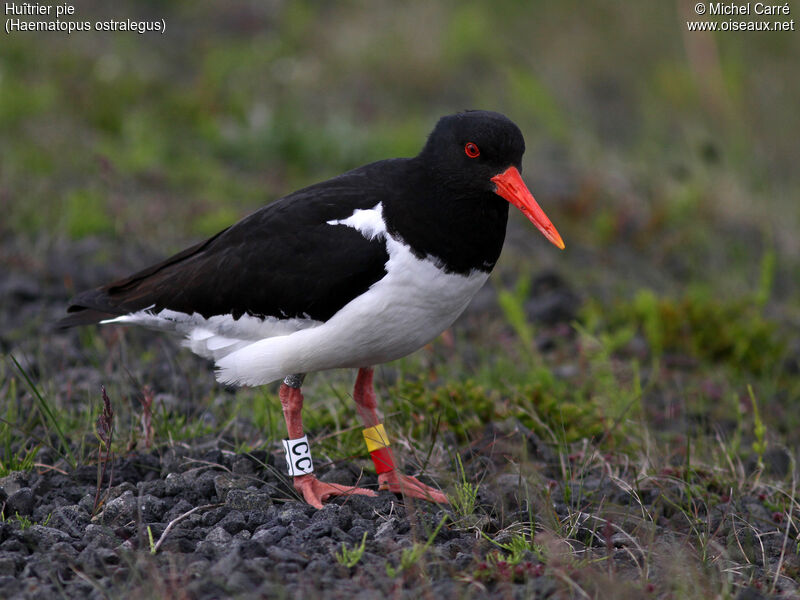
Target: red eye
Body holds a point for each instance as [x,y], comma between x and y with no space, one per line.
[471,150]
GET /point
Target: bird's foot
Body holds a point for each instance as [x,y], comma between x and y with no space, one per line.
[315,492]
[410,486]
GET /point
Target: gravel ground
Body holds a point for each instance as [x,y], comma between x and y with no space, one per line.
[246,534]
[225,524]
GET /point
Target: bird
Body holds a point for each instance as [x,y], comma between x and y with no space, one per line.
[352,272]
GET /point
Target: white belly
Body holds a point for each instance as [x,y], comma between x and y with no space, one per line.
[405,310]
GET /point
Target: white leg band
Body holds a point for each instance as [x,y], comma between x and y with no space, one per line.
[298,456]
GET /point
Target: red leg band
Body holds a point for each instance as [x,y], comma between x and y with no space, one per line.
[382,458]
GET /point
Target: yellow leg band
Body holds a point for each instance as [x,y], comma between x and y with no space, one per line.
[376,438]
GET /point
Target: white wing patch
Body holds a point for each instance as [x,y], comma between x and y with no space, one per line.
[368,222]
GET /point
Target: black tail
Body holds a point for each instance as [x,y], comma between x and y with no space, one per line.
[82,316]
[137,292]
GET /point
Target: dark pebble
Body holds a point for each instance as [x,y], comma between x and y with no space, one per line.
[180,507]
[72,519]
[271,536]
[243,466]
[120,510]
[282,555]
[218,535]
[179,542]
[10,564]
[295,514]
[20,502]
[150,508]
[203,484]
[751,593]
[250,549]
[247,500]
[233,522]
[14,545]
[256,518]
[13,482]
[174,484]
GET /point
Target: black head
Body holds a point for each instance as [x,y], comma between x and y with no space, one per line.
[467,149]
[475,154]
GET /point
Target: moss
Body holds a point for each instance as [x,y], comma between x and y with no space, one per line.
[569,419]
[712,329]
[544,404]
[462,406]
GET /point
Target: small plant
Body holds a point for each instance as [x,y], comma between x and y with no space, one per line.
[648,311]
[411,556]
[350,557]
[759,430]
[10,461]
[513,305]
[466,494]
[153,548]
[146,400]
[766,279]
[48,417]
[517,547]
[104,429]
[24,457]
[24,522]
[497,569]
[408,559]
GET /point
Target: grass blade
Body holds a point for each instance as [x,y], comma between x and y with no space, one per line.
[48,413]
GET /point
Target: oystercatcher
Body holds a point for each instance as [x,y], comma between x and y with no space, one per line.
[358,270]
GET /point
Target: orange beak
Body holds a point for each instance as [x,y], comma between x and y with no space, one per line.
[511,187]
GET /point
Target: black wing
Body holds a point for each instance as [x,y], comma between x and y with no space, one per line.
[284,260]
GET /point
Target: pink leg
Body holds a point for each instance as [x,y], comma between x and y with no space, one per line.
[314,491]
[394,481]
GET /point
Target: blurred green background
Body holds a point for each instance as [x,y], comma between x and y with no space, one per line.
[677,148]
[667,159]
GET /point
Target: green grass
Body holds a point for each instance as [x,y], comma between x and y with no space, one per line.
[410,557]
[350,557]
[516,549]
[466,493]
[48,417]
